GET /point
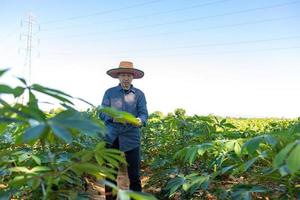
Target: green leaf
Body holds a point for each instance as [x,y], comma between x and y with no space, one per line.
[249,163]
[174,184]
[33,102]
[36,159]
[73,119]
[139,195]
[114,162]
[85,102]
[282,155]
[22,80]
[252,144]
[243,191]
[270,140]
[226,169]
[30,171]
[293,161]
[50,90]
[66,114]
[3,71]
[53,93]
[110,111]
[100,146]
[5,89]
[40,169]
[19,169]
[129,118]
[190,154]
[114,155]
[18,91]
[85,126]
[89,168]
[62,133]
[4,103]
[106,172]
[35,183]
[7,107]
[193,181]
[99,159]
[120,116]
[10,120]
[23,157]
[33,133]
[2,127]
[202,148]
[228,125]
[223,121]
[237,148]
[67,178]
[284,170]
[34,113]
[296,128]
[233,145]
[84,155]
[18,181]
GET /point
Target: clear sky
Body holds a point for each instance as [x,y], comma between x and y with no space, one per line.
[222,57]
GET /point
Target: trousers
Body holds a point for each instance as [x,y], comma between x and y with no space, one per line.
[133,159]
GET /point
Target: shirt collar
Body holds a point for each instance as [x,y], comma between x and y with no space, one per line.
[132,89]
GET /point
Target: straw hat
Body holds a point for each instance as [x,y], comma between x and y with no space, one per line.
[125,67]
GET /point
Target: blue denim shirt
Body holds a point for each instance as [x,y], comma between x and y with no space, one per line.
[132,101]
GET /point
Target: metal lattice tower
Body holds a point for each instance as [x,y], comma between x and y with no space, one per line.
[27,35]
[28,55]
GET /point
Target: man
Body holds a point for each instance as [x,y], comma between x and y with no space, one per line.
[126,137]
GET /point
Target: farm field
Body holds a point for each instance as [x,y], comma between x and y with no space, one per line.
[60,154]
[150,100]
[209,157]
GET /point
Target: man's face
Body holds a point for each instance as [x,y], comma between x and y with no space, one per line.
[125,80]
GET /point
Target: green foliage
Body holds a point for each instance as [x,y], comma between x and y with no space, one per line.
[188,154]
[196,154]
[46,155]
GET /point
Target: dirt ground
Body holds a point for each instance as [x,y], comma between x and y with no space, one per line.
[97,191]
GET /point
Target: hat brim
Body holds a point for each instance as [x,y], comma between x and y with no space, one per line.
[135,72]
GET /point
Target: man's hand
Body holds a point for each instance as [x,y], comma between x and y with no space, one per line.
[140,123]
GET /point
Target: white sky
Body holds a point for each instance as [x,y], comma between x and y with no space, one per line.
[202,71]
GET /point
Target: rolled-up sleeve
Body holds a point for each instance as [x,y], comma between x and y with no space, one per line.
[105,103]
[142,109]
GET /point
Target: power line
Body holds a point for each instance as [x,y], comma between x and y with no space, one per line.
[222,44]
[189,20]
[210,27]
[142,16]
[198,29]
[201,28]
[229,52]
[215,53]
[102,12]
[198,45]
